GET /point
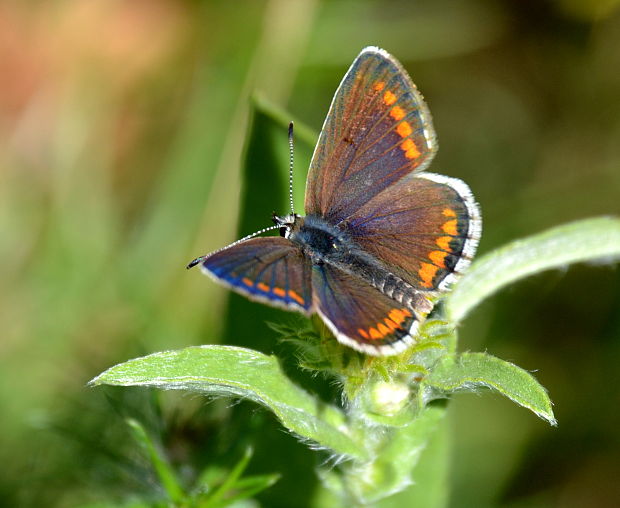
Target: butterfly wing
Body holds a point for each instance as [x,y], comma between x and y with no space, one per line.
[378,130]
[269,269]
[425,229]
[359,315]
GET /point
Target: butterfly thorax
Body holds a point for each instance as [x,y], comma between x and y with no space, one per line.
[319,240]
[323,242]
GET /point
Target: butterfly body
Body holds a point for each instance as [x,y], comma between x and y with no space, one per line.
[382,238]
[319,239]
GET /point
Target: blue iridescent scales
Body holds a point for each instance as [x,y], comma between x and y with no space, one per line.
[382,237]
[261,269]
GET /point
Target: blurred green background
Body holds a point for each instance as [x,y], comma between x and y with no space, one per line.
[122,138]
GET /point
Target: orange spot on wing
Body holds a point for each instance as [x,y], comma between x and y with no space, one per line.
[375,334]
[408,144]
[443,242]
[411,151]
[399,315]
[391,324]
[247,282]
[384,330]
[412,154]
[379,86]
[450,227]
[279,292]
[404,129]
[389,98]
[397,113]
[363,333]
[295,297]
[427,273]
[438,257]
[262,286]
[448,212]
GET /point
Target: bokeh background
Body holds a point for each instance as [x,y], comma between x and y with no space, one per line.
[123,129]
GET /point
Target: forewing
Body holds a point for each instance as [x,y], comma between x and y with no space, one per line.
[425,229]
[359,315]
[378,130]
[269,269]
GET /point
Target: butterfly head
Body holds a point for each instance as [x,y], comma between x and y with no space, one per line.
[286,223]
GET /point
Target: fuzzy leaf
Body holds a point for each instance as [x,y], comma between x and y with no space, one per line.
[239,372]
[585,240]
[430,476]
[467,371]
[390,472]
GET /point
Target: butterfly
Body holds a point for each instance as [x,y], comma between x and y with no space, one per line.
[381,238]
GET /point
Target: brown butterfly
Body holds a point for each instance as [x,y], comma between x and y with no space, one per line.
[381,236]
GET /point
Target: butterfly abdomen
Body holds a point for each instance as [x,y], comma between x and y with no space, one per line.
[398,290]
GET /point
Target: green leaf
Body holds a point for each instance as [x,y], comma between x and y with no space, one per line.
[585,240]
[216,498]
[239,372]
[247,487]
[467,371]
[165,473]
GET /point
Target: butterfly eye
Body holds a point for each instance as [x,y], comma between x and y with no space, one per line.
[284,232]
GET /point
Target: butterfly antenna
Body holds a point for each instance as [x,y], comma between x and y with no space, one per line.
[290,166]
[260,232]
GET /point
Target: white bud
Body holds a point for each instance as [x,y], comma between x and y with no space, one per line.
[389,398]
